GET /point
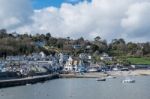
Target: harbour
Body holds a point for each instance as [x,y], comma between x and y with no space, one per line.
[74,49]
[97,75]
[81,88]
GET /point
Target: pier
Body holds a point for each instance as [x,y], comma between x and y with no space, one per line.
[27,80]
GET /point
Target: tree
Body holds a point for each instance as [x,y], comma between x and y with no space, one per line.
[132,48]
[48,36]
[98,38]
[95,48]
[79,41]
[60,43]
[146,48]
[118,47]
[3,33]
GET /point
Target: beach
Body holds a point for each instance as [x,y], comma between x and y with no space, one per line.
[108,73]
[130,73]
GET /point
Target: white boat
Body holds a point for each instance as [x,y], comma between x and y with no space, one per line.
[110,77]
[115,69]
[128,81]
[28,84]
[92,70]
[101,79]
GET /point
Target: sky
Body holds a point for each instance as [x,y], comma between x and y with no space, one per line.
[109,19]
[39,4]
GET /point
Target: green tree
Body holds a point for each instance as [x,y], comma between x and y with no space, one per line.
[48,36]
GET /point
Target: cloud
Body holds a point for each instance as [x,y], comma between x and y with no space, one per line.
[84,19]
[136,22]
[14,13]
[107,18]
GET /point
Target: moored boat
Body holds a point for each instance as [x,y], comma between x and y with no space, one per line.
[128,81]
[101,79]
[92,70]
[110,77]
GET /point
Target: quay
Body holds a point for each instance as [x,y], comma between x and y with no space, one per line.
[27,80]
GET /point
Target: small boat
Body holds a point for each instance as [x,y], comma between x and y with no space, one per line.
[128,81]
[28,84]
[110,77]
[92,70]
[101,79]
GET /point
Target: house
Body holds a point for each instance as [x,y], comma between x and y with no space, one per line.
[105,57]
[42,54]
[75,65]
[88,47]
[76,46]
[63,58]
[69,64]
[37,56]
[15,58]
[85,56]
[40,43]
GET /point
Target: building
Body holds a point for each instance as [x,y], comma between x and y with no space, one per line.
[63,58]
[69,64]
[105,57]
[15,58]
[76,46]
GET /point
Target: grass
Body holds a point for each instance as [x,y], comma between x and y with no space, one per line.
[142,60]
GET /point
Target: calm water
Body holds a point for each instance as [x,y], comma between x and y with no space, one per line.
[81,89]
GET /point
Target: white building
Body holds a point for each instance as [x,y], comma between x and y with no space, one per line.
[105,57]
[69,65]
[42,54]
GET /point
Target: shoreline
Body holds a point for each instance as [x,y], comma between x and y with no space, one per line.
[109,73]
[42,78]
[130,73]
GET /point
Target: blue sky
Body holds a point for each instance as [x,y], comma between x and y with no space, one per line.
[38,4]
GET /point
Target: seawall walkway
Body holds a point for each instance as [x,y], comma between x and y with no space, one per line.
[27,80]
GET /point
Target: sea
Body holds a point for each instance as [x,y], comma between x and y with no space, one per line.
[81,88]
